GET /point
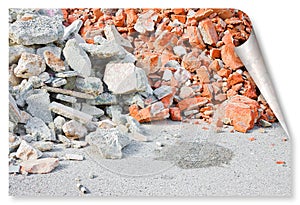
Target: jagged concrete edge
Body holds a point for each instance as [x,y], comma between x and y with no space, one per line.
[252,58]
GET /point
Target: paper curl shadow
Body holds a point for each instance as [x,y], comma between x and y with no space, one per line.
[252,58]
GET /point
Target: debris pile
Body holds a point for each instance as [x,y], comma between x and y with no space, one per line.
[96,74]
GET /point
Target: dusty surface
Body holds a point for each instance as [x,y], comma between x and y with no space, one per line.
[230,165]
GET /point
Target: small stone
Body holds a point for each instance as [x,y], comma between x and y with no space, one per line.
[78,144]
[14,169]
[74,130]
[63,139]
[179,51]
[44,76]
[90,85]
[186,92]
[59,121]
[16,51]
[43,146]
[91,110]
[162,91]
[208,31]
[58,82]
[75,157]
[14,144]
[130,78]
[159,144]
[91,175]
[167,75]
[265,123]
[145,22]
[70,112]
[67,74]
[29,65]
[77,58]
[66,98]
[27,152]
[38,30]
[54,62]
[72,29]
[39,166]
[36,126]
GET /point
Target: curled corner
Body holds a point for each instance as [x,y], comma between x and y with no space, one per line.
[250,54]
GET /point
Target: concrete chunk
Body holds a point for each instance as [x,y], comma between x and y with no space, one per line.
[70,112]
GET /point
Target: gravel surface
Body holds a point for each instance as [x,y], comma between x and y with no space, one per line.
[205,163]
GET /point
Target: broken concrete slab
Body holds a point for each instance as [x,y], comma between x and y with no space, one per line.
[110,142]
[77,58]
[91,110]
[72,29]
[66,98]
[36,126]
[69,112]
[104,99]
[29,65]
[38,30]
[43,146]
[69,92]
[16,51]
[162,91]
[129,79]
[38,106]
[112,34]
[90,85]
[39,166]
[27,152]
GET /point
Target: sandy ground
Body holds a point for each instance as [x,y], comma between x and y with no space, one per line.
[216,164]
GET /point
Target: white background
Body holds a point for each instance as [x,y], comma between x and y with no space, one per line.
[276,25]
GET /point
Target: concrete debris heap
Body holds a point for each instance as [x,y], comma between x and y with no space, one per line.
[96,74]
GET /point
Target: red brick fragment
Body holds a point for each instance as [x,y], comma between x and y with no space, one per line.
[175,114]
[188,102]
[242,111]
[194,37]
[234,78]
[208,32]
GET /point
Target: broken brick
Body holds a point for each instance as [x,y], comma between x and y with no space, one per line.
[208,32]
[194,37]
[175,114]
[230,58]
[242,111]
[234,78]
[224,72]
[189,102]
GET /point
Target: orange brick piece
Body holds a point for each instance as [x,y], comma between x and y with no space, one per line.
[208,32]
[175,114]
[242,111]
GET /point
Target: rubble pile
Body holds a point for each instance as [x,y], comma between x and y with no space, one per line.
[79,76]
[188,56]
